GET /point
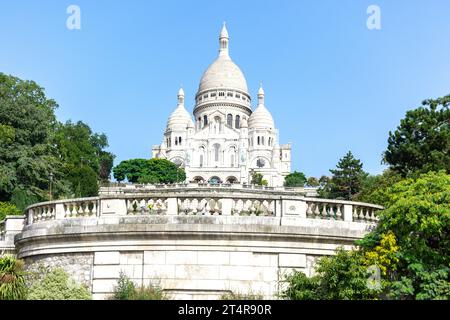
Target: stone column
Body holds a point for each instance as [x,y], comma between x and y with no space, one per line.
[302,207]
[59,211]
[348,212]
[172,207]
[227,205]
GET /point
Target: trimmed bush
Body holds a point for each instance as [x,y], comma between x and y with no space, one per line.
[57,285]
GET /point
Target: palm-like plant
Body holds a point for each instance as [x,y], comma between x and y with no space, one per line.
[12,280]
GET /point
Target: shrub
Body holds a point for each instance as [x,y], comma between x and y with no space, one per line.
[127,290]
[8,209]
[12,281]
[57,285]
[124,289]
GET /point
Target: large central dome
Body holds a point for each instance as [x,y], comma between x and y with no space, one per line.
[223,73]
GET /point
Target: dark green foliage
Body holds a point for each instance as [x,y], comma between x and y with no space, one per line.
[12,280]
[84,158]
[36,150]
[26,155]
[374,188]
[346,181]
[340,277]
[421,142]
[149,171]
[295,179]
[410,245]
[418,213]
[312,182]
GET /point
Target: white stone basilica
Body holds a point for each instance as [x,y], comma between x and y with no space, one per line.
[228,141]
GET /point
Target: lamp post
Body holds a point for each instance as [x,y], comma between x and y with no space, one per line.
[50,176]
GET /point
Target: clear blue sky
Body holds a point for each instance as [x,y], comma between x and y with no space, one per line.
[331,84]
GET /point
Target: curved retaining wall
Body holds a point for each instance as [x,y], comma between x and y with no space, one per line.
[201,248]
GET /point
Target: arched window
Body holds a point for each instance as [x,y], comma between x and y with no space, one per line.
[176,141]
[237,123]
[230,120]
[216,151]
[262,140]
[270,141]
[205,120]
[179,142]
[201,160]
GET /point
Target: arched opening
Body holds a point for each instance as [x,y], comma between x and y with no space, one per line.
[231,179]
[215,180]
[199,179]
[258,140]
[237,124]
[205,120]
[230,120]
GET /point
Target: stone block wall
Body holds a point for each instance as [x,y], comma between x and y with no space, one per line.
[185,274]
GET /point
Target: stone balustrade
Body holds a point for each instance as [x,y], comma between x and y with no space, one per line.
[217,201]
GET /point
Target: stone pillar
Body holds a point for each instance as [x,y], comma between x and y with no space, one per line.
[59,211]
[278,208]
[172,207]
[113,207]
[302,207]
[348,212]
[227,205]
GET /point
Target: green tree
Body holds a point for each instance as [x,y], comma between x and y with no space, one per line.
[347,178]
[312,182]
[56,284]
[8,209]
[374,187]
[418,215]
[295,179]
[12,280]
[257,179]
[27,154]
[149,171]
[340,277]
[421,142]
[85,160]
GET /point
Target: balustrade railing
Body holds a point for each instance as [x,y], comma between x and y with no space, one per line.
[199,206]
[211,203]
[44,212]
[320,209]
[253,207]
[146,205]
[81,208]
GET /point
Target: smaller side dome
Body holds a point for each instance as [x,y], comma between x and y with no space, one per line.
[261,117]
[180,118]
